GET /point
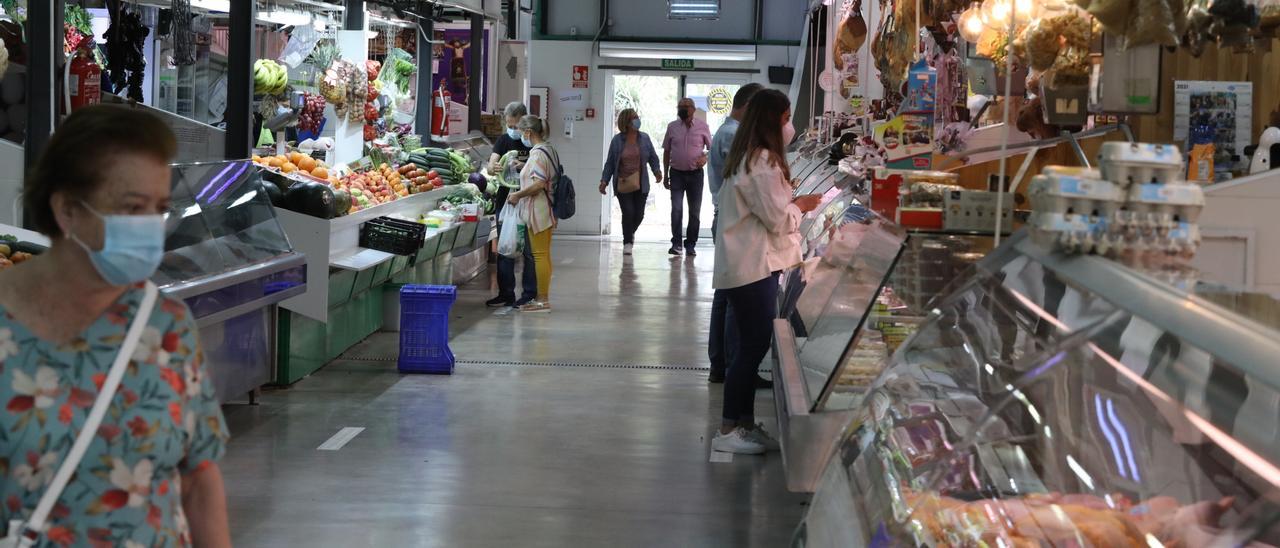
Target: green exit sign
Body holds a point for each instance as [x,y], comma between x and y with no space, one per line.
[677,64]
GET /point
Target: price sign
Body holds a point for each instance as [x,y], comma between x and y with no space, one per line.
[719,101]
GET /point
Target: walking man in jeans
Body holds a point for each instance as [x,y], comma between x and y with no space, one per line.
[721,341]
[684,153]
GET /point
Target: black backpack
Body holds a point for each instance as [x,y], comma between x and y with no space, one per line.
[563,197]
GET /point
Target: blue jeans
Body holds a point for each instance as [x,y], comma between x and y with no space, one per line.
[753,306]
[507,275]
[724,335]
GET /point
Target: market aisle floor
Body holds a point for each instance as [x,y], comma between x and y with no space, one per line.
[588,426]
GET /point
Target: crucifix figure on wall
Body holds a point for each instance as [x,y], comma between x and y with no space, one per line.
[458,75]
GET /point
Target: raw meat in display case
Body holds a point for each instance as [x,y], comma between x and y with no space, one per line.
[1039,406]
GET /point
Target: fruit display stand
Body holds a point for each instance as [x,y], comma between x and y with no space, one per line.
[317,326]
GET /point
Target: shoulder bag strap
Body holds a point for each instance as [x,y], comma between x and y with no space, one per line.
[35,525]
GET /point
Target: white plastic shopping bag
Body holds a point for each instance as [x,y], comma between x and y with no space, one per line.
[510,244]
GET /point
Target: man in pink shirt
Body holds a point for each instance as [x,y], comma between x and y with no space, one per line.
[684,153]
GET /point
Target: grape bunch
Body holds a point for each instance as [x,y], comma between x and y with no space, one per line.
[312,113]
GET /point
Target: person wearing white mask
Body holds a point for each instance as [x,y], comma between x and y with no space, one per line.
[506,266]
[758,238]
[629,152]
[149,475]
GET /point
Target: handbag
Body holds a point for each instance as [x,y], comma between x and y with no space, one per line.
[629,184]
[28,533]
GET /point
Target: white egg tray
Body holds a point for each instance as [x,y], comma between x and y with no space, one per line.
[1071,233]
[1182,201]
[1071,194]
[1137,163]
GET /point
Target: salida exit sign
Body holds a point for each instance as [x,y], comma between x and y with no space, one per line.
[677,64]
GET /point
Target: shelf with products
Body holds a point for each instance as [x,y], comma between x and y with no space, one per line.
[1052,399]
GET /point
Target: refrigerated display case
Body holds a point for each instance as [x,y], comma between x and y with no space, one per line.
[864,285]
[1049,400]
[228,259]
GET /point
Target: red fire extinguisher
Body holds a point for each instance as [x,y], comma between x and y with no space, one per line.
[84,81]
[440,100]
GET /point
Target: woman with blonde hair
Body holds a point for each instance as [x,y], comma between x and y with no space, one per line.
[537,181]
[629,152]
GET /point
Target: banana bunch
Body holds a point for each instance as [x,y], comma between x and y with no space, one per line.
[269,77]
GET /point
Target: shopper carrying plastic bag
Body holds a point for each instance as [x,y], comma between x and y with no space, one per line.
[511,239]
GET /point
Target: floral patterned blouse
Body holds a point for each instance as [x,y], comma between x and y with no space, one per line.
[164,421]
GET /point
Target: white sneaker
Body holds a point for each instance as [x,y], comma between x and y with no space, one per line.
[762,437]
[738,441]
[626,249]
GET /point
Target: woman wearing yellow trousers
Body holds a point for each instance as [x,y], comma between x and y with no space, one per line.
[534,201]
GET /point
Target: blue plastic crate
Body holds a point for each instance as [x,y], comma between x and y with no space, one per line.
[424,329]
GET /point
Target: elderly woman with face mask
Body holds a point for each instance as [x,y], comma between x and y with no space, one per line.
[148,475]
[629,152]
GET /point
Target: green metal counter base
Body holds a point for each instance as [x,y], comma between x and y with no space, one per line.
[305,345]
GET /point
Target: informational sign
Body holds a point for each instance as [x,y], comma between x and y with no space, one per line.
[677,64]
[719,101]
[571,100]
[1226,107]
[581,76]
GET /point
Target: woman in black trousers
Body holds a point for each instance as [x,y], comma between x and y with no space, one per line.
[758,238]
[630,151]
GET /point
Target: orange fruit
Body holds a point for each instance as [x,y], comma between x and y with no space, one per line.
[307,164]
[275,161]
[288,167]
[295,157]
[320,173]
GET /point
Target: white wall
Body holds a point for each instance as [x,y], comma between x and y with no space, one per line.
[550,65]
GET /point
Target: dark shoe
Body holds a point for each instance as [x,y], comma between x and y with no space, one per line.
[522,302]
[691,252]
[763,383]
[673,251]
[498,302]
[716,377]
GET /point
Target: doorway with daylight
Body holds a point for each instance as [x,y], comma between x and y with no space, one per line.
[654,96]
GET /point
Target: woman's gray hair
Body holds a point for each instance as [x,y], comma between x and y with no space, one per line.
[515,109]
[536,125]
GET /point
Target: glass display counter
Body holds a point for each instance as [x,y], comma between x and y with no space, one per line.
[861,291]
[1063,401]
[228,259]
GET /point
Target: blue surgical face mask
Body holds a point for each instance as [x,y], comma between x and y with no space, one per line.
[513,133]
[526,142]
[132,247]
[635,123]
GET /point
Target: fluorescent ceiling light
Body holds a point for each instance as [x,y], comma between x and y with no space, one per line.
[212,5]
[284,17]
[693,9]
[697,52]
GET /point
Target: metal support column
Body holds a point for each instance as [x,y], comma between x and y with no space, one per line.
[513,19]
[477,72]
[239,113]
[44,60]
[426,66]
[353,17]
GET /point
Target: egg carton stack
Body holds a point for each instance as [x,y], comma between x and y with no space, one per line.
[1161,208]
[1073,210]
[1136,203]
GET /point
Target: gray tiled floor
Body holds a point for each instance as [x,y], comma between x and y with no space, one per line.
[529,455]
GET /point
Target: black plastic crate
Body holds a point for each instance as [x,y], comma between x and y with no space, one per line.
[392,235]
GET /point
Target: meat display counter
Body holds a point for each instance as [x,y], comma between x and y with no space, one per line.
[228,259]
[864,284]
[1049,400]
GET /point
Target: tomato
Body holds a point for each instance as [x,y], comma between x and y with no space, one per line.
[432,174]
